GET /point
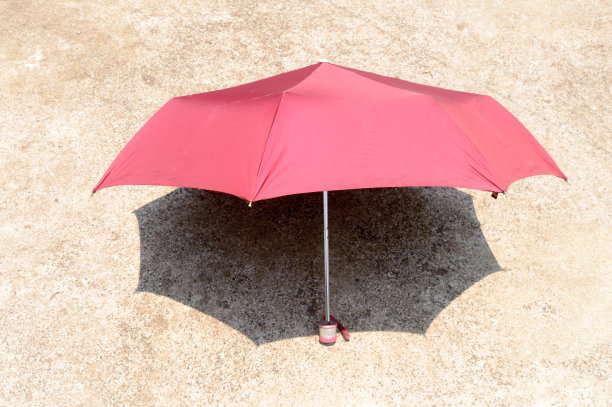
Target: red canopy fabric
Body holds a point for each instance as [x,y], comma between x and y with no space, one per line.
[326,127]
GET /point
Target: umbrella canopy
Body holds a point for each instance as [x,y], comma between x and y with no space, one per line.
[327,127]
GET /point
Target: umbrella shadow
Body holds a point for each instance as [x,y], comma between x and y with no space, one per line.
[398,257]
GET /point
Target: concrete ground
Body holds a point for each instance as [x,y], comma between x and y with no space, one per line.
[155,296]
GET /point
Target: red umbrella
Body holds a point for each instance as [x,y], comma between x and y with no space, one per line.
[327,127]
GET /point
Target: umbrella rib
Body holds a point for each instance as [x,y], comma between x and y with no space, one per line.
[253,193]
[486,161]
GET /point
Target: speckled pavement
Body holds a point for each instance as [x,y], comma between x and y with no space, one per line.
[161,296]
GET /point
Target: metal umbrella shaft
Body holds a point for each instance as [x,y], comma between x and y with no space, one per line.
[326,245]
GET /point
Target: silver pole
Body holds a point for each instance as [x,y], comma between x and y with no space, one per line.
[326,244]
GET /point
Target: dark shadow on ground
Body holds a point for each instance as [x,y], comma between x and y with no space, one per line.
[398,257]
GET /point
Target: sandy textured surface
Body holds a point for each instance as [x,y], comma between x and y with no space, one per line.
[156,296]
